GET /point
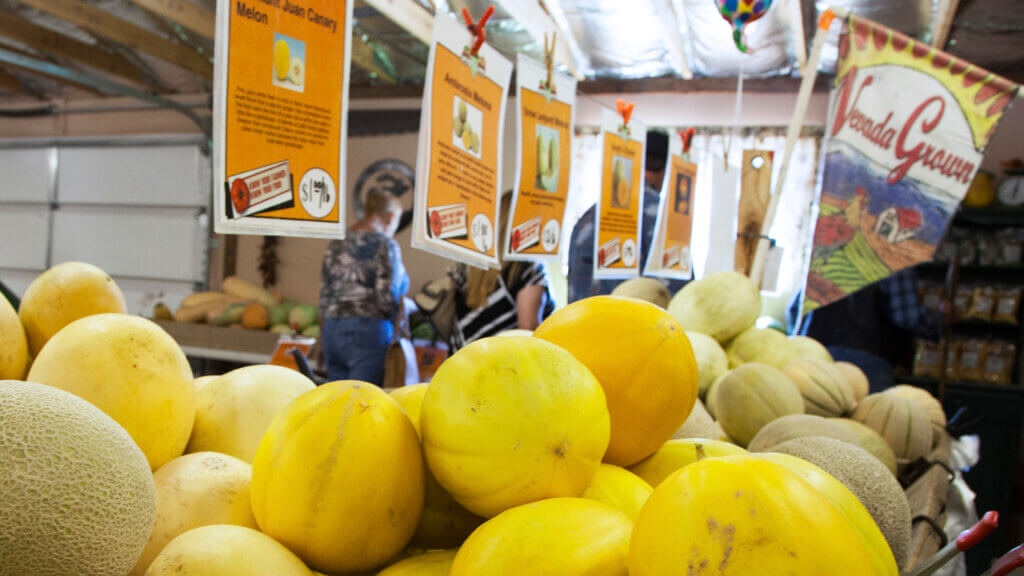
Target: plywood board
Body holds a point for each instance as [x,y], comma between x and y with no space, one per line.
[755,193]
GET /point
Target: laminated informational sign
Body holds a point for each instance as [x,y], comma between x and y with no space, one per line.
[670,248]
[458,163]
[619,211]
[544,122]
[907,129]
[280,111]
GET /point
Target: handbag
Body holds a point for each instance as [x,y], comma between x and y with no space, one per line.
[400,366]
[436,300]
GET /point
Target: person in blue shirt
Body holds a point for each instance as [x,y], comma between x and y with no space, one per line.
[581,246]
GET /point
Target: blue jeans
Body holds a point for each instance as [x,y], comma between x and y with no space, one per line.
[355,348]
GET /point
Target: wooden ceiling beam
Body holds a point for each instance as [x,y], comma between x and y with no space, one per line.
[102,23]
[47,41]
[34,72]
[10,82]
[184,13]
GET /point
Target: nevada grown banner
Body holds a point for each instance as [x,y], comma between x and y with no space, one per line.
[908,127]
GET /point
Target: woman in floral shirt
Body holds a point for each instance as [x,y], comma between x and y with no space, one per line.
[362,286]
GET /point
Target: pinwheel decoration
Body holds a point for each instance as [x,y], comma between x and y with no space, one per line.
[739,13]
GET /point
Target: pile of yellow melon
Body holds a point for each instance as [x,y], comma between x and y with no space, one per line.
[580,450]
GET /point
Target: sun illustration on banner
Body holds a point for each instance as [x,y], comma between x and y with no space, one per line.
[873,44]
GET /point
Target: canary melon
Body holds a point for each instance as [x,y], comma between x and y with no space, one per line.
[565,536]
[235,410]
[677,454]
[743,515]
[823,390]
[854,378]
[63,294]
[511,420]
[13,344]
[628,345]
[131,369]
[712,362]
[202,381]
[343,451]
[752,395]
[431,563]
[78,496]
[197,490]
[646,289]
[721,305]
[226,550]
[902,421]
[620,489]
[444,523]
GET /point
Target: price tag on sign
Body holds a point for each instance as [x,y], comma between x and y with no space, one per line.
[282,355]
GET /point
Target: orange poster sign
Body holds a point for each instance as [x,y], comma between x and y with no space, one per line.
[544,123]
[670,248]
[617,249]
[280,109]
[459,159]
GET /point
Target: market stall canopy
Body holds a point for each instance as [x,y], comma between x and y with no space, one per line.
[611,45]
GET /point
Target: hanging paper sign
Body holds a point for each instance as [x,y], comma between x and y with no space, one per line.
[908,127]
[617,249]
[544,135]
[280,111]
[755,193]
[670,249]
[458,162]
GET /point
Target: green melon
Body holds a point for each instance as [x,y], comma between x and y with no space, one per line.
[78,496]
[711,360]
[824,392]
[809,348]
[752,395]
[646,289]
[721,305]
[759,345]
[869,480]
[902,421]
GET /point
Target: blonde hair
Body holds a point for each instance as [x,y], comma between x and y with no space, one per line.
[381,203]
[480,283]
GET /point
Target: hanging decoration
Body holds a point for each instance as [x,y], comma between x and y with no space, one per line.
[739,13]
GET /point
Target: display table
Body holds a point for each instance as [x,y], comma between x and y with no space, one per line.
[222,343]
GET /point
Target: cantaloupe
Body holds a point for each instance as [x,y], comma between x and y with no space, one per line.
[620,489]
[855,379]
[338,478]
[762,345]
[698,425]
[711,360]
[803,347]
[63,294]
[226,550]
[678,454]
[903,422]
[131,369]
[936,415]
[234,410]
[197,490]
[431,563]
[444,522]
[824,392]
[646,289]
[752,395]
[557,536]
[77,494]
[871,441]
[721,305]
[867,478]
[13,344]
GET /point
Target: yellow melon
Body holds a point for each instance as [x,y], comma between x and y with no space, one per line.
[743,515]
[198,383]
[234,410]
[432,563]
[644,362]
[77,494]
[677,454]
[197,490]
[132,370]
[338,478]
[512,420]
[282,58]
[13,344]
[63,294]
[620,489]
[226,550]
[566,536]
[444,523]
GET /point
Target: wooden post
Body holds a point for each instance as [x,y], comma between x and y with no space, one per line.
[755,192]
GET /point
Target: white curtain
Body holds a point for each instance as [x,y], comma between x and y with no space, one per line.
[792,226]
